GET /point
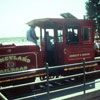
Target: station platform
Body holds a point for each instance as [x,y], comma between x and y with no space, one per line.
[88,96]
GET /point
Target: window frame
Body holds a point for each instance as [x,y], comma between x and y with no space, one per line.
[78,30]
[86,41]
[60,36]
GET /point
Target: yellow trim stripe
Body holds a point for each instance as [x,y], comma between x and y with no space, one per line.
[79,67]
[20,78]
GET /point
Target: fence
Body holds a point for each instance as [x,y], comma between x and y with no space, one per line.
[47,68]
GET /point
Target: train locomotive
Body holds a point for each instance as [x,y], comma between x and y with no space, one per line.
[72,40]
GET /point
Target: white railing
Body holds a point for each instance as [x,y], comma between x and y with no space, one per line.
[47,68]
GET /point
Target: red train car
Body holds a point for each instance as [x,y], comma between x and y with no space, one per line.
[72,40]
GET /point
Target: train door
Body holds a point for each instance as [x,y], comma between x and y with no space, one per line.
[56,56]
[79,43]
[60,45]
[72,42]
[49,47]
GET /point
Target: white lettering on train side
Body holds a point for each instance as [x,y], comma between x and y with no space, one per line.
[8,70]
[19,58]
[79,55]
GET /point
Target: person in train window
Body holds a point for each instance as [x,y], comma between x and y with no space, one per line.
[49,49]
[31,35]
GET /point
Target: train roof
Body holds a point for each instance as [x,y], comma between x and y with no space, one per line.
[53,21]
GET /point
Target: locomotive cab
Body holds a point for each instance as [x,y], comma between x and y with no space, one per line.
[72,40]
[62,42]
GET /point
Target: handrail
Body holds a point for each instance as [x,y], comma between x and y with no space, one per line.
[42,69]
[50,80]
[2,97]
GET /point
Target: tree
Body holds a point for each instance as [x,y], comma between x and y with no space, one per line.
[93,12]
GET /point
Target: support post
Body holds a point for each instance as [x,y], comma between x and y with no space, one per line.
[84,75]
[47,81]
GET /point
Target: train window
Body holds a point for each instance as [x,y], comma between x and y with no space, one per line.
[51,34]
[86,34]
[72,35]
[37,29]
[60,35]
[43,35]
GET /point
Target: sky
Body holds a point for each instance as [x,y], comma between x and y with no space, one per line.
[14,14]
